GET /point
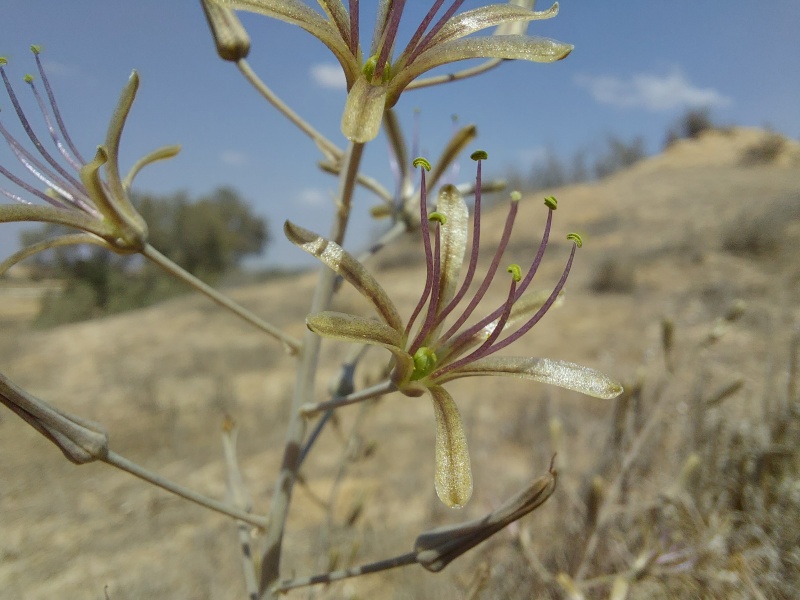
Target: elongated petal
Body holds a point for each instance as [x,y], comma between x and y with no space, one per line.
[346,265]
[454,232]
[358,330]
[162,153]
[363,111]
[297,13]
[49,214]
[555,372]
[516,47]
[64,240]
[453,479]
[352,328]
[471,21]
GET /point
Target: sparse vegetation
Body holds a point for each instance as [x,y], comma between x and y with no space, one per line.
[765,152]
[690,125]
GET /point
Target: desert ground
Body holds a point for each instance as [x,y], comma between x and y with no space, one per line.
[687,290]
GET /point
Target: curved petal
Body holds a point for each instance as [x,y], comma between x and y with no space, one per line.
[358,330]
[49,214]
[454,232]
[64,240]
[162,153]
[297,13]
[346,265]
[351,328]
[363,111]
[471,21]
[511,47]
[453,478]
[556,372]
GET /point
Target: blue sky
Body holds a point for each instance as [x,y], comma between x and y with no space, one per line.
[636,67]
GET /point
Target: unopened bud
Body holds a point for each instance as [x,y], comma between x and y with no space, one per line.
[230,36]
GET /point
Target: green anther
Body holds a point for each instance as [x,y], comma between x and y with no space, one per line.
[574,237]
[438,217]
[479,155]
[424,363]
[3,61]
[551,202]
[28,78]
[516,196]
[387,73]
[422,162]
[368,69]
[35,48]
[516,272]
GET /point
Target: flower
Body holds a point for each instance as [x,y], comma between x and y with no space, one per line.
[431,355]
[376,80]
[75,192]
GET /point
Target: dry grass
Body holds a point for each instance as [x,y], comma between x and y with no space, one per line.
[684,487]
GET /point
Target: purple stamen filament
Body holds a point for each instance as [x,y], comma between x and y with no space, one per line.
[430,318]
[389,35]
[354,27]
[426,243]
[423,45]
[488,349]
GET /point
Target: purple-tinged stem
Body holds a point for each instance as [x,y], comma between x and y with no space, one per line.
[487,280]
[50,128]
[540,313]
[423,45]
[389,36]
[354,27]
[426,243]
[474,251]
[430,318]
[422,27]
[56,112]
[485,347]
[32,135]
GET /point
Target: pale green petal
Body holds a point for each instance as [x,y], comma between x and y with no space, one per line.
[50,214]
[556,372]
[359,330]
[64,240]
[346,265]
[352,328]
[484,17]
[454,232]
[162,153]
[453,479]
[297,13]
[512,47]
[363,111]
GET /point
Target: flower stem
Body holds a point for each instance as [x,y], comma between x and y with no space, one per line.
[328,148]
[123,463]
[304,384]
[291,344]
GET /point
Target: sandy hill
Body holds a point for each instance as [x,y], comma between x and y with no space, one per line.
[708,227]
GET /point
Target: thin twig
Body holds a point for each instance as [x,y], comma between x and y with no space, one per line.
[123,463]
[328,148]
[291,344]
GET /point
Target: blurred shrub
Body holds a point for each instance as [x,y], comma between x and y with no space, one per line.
[614,276]
[690,125]
[762,234]
[766,151]
[209,238]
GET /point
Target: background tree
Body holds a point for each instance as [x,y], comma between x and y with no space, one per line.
[209,237]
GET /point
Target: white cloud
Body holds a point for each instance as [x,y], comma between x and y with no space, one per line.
[652,92]
[329,75]
[313,197]
[234,158]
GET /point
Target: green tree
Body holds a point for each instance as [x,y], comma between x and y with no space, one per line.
[208,237]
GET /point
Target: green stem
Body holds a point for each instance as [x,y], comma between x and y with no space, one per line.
[291,344]
[123,463]
[304,385]
[328,148]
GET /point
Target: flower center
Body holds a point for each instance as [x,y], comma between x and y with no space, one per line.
[424,363]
